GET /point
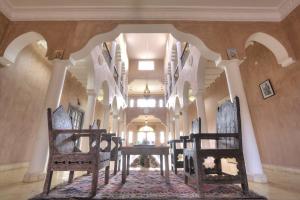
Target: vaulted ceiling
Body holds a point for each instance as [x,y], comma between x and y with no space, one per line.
[216,10]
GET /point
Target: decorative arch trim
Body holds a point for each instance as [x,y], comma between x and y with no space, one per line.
[18,44]
[145,28]
[273,45]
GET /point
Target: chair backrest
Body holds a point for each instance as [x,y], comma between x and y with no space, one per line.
[229,121]
[105,139]
[60,120]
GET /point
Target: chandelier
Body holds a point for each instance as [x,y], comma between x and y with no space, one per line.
[147,91]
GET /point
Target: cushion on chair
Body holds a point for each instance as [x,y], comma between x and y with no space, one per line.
[61,120]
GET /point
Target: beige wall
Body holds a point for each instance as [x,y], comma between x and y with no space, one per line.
[275,119]
[23,87]
[3,25]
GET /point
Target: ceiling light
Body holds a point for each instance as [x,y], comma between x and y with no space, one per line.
[147,91]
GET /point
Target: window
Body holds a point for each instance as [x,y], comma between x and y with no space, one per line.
[161,103]
[146,103]
[162,137]
[146,135]
[146,65]
[131,103]
[130,137]
[122,135]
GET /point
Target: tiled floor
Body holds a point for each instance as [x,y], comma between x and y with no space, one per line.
[280,187]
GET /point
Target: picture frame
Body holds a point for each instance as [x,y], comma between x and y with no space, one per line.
[266,89]
[232,53]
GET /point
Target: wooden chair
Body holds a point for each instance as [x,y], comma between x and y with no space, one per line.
[176,151]
[116,153]
[228,145]
[104,149]
[65,156]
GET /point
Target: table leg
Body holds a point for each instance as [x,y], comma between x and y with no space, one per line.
[123,168]
[161,165]
[167,168]
[128,161]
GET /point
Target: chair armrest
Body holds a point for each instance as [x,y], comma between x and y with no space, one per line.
[215,136]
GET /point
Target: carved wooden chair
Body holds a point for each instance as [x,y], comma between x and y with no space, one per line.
[65,156]
[228,145]
[104,149]
[176,150]
[116,152]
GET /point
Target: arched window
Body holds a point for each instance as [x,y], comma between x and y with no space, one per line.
[130,137]
[146,135]
[161,103]
[131,103]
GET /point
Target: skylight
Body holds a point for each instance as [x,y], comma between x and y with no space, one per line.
[146,65]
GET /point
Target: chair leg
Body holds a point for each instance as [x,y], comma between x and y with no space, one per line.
[48,180]
[94,182]
[119,164]
[175,169]
[106,179]
[115,166]
[71,176]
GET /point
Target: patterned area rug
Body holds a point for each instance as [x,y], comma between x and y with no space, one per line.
[143,185]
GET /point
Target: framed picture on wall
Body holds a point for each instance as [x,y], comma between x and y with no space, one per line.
[266,89]
[232,53]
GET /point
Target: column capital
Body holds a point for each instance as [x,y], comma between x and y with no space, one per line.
[230,63]
[61,63]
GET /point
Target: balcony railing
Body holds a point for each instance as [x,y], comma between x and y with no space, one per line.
[176,75]
[116,75]
[185,54]
[106,54]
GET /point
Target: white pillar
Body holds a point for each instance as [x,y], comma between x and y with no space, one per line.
[105,119]
[201,110]
[251,154]
[89,117]
[115,124]
[185,118]
[179,51]
[177,127]
[36,170]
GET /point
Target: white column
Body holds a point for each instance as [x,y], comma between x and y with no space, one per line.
[201,110]
[88,117]
[179,51]
[36,170]
[115,124]
[177,127]
[251,154]
[105,118]
[185,118]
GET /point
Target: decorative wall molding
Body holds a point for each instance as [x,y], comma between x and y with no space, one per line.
[148,12]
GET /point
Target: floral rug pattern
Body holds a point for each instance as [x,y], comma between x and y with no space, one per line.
[143,185]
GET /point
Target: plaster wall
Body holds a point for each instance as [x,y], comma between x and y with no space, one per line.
[274,119]
[23,88]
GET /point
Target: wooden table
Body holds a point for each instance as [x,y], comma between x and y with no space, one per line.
[145,150]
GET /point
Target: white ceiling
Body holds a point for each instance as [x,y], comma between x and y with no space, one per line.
[217,10]
[137,86]
[146,45]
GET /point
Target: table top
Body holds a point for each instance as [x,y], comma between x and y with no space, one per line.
[145,149]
